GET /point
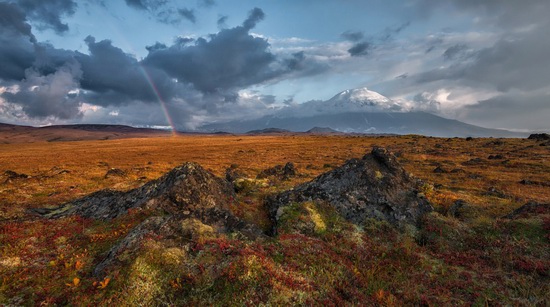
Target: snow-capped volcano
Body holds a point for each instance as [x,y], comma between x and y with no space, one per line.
[361,111]
[364,98]
[355,100]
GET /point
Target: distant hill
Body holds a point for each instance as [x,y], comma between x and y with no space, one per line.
[60,133]
[268,131]
[322,130]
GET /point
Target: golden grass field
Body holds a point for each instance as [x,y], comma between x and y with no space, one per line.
[63,171]
[145,159]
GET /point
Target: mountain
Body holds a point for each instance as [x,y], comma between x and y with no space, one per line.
[360,111]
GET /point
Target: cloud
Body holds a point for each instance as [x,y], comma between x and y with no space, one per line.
[113,77]
[227,61]
[454,52]
[188,14]
[359,49]
[505,14]
[390,32]
[513,111]
[206,3]
[353,36]
[14,20]
[52,95]
[426,102]
[47,13]
[221,22]
[197,78]
[513,62]
[254,16]
[163,11]
[17,54]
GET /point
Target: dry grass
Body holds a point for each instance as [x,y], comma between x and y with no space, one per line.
[62,171]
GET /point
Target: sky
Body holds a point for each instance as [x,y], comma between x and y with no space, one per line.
[181,64]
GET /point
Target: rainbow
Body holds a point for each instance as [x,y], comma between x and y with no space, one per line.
[147,77]
[155,90]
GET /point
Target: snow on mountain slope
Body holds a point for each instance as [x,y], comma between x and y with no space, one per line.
[355,100]
[365,99]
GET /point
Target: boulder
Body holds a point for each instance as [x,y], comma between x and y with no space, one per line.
[539,137]
[279,171]
[375,186]
[529,209]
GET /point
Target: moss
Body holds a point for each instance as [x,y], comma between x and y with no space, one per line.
[316,218]
[195,229]
[249,186]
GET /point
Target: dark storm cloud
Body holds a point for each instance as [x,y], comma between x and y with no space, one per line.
[17,42]
[360,49]
[188,14]
[47,13]
[228,60]
[13,19]
[353,36]
[17,54]
[114,77]
[193,76]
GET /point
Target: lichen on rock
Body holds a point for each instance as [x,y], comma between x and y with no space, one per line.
[376,186]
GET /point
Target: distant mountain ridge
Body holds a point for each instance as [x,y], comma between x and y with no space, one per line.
[360,111]
[367,122]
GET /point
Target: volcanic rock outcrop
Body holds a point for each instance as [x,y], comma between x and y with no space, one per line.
[189,202]
[375,186]
[187,190]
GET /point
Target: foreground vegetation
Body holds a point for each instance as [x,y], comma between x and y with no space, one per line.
[459,256]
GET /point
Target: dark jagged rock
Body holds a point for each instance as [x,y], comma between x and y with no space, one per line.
[496,157]
[115,172]
[457,170]
[279,171]
[529,209]
[187,190]
[188,200]
[375,186]
[539,137]
[440,170]
[474,161]
[11,175]
[533,182]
